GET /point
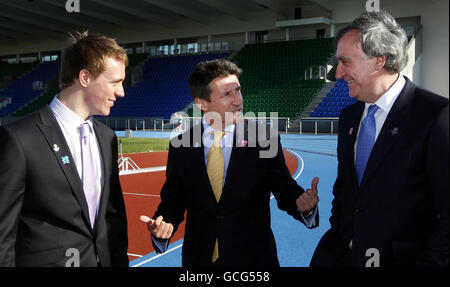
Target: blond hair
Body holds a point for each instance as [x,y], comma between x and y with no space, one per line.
[88,52]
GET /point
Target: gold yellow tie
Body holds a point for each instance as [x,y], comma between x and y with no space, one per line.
[215,168]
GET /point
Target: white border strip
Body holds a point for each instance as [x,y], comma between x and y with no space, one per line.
[157,256]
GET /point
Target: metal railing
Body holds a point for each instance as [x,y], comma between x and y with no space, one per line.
[282,124]
[314,126]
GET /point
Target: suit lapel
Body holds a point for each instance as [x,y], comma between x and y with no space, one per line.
[105,153]
[105,150]
[236,153]
[54,136]
[236,160]
[390,133]
[350,132]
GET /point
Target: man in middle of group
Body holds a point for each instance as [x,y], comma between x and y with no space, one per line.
[222,173]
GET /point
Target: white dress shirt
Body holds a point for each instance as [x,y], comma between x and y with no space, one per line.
[70,123]
[384,103]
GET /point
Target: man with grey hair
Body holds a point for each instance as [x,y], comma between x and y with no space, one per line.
[390,204]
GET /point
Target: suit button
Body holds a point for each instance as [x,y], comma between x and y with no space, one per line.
[220,217]
[357,211]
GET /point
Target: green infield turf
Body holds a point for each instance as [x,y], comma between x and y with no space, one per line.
[132,145]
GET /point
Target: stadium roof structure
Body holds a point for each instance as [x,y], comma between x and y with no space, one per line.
[31,21]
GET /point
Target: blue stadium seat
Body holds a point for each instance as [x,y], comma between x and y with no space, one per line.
[21,91]
[164,88]
[337,98]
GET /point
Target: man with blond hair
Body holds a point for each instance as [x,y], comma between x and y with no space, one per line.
[61,203]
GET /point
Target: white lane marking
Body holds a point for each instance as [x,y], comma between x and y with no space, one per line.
[303,163]
[130,193]
[157,256]
[301,169]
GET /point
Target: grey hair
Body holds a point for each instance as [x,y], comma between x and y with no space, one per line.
[380,35]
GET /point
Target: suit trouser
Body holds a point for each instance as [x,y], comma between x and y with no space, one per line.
[345,260]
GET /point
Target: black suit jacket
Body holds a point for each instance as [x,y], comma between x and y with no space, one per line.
[43,210]
[241,219]
[401,206]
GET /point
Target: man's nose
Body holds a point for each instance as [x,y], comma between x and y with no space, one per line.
[339,71]
[120,92]
[237,98]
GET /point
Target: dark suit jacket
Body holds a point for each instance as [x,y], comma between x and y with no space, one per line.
[43,210]
[241,219]
[401,207]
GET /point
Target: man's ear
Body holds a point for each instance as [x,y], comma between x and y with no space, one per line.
[202,104]
[381,61]
[84,77]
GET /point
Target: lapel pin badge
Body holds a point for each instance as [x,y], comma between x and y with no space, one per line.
[350,131]
[56,148]
[196,144]
[65,159]
[394,131]
[244,143]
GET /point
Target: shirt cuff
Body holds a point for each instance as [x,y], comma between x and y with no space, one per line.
[310,220]
[160,245]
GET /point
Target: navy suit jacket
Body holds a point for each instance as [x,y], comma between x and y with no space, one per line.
[43,211]
[241,219]
[401,206]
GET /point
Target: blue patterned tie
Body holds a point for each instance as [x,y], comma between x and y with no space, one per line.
[366,139]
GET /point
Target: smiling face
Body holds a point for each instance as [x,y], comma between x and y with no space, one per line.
[101,92]
[359,70]
[225,104]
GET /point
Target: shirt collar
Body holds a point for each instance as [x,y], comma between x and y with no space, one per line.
[386,101]
[208,129]
[67,117]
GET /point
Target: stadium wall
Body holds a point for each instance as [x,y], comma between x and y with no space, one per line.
[433,14]
[434,17]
